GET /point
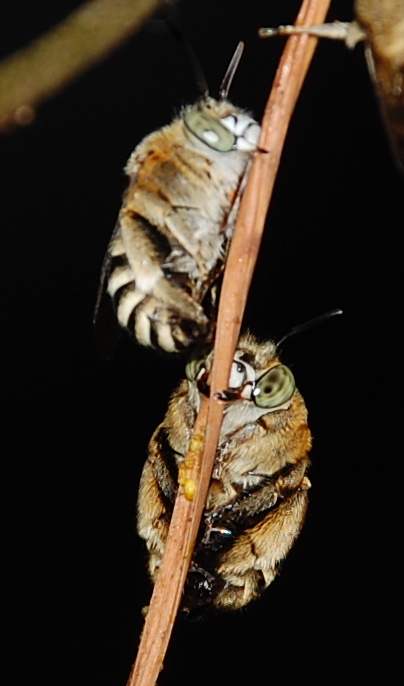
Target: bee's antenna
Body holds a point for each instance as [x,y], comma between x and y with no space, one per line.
[231,70]
[172,19]
[309,324]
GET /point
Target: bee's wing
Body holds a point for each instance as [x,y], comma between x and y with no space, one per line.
[106,328]
[391,100]
[384,27]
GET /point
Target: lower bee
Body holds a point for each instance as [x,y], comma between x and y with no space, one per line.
[177,217]
[258,494]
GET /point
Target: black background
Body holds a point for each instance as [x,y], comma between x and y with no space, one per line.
[75,430]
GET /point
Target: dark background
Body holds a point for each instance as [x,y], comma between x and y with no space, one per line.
[75,429]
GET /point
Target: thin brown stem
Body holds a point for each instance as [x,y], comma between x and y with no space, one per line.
[240,265]
[48,64]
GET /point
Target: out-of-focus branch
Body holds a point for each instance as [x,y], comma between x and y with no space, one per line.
[240,265]
[37,72]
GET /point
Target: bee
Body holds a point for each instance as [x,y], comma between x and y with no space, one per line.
[380,24]
[177,218]
[258,493]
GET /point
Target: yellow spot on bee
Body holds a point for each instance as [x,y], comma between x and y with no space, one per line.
[189,463]
[196,443]
[190,489]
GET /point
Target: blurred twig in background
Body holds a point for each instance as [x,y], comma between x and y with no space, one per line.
[48,64]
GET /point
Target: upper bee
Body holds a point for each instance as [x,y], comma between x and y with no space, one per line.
[177,216]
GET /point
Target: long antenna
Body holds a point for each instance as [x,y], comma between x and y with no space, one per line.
[231,70]
[309,324]
[172,19]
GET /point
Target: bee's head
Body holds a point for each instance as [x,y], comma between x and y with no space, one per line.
[256,375]
[222,126]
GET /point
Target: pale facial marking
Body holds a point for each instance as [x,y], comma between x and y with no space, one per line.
[246,130]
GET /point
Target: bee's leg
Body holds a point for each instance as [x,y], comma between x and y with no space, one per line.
[350,32]
[226,528]
[156,497]
[167,221]
[161,322]
[252,562]
[146,256]
[261,497]
[149,303]
[170,219]
[153,519]
[183,315]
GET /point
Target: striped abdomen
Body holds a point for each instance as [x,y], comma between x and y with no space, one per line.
[153,304]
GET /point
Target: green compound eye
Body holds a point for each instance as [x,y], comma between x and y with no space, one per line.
[196,362]
[210,131]
[275,387]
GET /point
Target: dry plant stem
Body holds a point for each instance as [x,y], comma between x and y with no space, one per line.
[167,590]
[240,265]
[250,223]
[89,34]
